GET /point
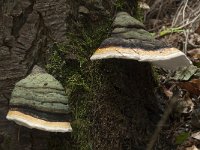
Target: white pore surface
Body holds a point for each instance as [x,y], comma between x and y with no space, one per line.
[170,62]
[30,125]
[173,63]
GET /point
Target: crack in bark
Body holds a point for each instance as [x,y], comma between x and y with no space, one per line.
[20,20]
[48,31]
[41,32]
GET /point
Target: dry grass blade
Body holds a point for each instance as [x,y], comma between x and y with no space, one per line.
[187,15]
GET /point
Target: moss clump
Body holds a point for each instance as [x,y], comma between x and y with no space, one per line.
[70,63]
[120,5]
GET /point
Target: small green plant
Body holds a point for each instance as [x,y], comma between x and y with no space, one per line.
[182,137]
[169,31]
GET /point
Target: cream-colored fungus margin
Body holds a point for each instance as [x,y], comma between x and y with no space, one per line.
[32,122]
[169,58]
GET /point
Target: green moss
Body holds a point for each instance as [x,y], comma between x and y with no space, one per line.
[156,73]
[120,5]
[139,14]
[128,6]
[79,74]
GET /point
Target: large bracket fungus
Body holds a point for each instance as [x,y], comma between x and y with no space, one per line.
[130,84]
[39,101]
[129,40]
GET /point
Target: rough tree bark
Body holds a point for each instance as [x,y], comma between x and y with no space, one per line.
[126,114]
[27,29]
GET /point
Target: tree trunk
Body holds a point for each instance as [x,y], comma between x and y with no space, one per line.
[124,112]
[26,29]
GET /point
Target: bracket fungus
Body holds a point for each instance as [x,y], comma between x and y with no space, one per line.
[39,101]
[129,40]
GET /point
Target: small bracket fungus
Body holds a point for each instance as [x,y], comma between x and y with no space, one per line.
[129,40]
[39,101]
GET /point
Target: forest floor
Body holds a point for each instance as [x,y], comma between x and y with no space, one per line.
[178,23]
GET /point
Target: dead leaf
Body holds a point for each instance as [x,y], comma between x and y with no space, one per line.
[194,55]
[192,86]
[185,73]
[167,92]
[196,135]
[193,147]
[196,83]
[197,73]
[185,105]
[197,30]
